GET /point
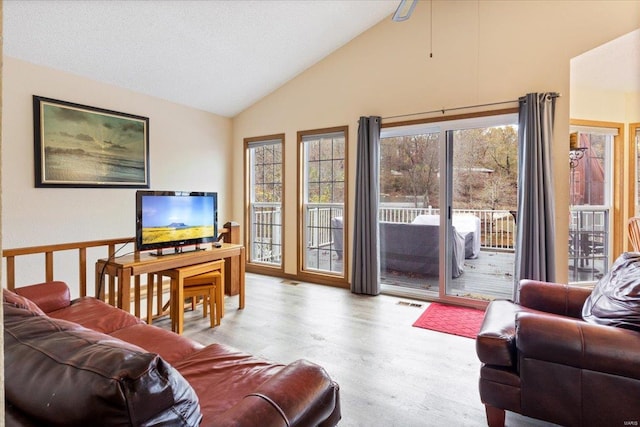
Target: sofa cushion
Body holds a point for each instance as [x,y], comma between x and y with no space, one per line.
[225,376]
[97,315]
[168,345]
[49,296]
[20,302]
[615,300]
[56,368]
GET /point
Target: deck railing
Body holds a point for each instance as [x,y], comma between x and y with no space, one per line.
[588,230]
[318,224]
[588,243]
[497,226]
[266,233]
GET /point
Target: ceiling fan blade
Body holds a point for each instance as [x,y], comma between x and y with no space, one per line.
[404,10]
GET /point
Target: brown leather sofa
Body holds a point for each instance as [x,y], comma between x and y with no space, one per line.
[84,362]
[540,359]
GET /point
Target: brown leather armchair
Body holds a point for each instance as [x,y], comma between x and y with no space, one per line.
[540,359]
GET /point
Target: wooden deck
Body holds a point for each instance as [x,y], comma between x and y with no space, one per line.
[489,276]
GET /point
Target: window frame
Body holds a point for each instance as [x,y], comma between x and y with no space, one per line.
[252,266]
[443,126]
[622,198]
[319,276]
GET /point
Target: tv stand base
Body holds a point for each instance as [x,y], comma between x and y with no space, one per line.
[176,251]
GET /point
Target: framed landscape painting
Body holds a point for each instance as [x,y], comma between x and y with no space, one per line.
[81,146]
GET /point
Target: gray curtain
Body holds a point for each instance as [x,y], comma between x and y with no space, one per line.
[365,278]
[535,253]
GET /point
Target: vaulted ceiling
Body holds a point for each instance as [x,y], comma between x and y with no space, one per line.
[217,56]
[223,56]
[614,65]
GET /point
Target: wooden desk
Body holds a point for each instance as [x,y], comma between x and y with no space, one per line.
[128,266]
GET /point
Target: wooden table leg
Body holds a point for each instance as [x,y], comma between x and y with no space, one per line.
[124,290]
[173,305]
[160,292]
[220,290]
[99,291]
[180,303]
[150,286]
[136,297]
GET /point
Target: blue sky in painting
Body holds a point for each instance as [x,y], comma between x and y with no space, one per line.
[160,211]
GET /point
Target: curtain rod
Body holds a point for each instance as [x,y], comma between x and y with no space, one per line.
[444,110]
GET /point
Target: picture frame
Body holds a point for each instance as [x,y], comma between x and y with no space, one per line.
[87,147]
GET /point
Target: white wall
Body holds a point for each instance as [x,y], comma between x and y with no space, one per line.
[483,52]
[189,150]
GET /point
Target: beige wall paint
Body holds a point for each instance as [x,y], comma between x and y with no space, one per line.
[483,52]
[605,105]
[189,150]
[632,101]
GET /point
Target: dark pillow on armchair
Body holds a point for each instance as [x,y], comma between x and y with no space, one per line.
[59,373]
[615,300]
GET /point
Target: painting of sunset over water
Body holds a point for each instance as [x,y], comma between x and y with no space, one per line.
[83,146]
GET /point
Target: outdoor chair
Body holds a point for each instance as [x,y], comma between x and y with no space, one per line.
[634,232]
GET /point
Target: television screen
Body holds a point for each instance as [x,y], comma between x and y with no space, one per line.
[173,219]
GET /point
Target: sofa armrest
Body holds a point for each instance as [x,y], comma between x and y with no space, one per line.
[302,394]
[555,298]
[49,296]
[579,344]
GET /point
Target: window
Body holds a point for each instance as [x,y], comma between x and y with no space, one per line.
[323,195]
[265,190]
[591,199]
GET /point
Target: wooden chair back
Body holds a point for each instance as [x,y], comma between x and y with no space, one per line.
[634,232]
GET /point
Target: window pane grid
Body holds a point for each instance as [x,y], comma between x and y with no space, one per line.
[324,202]
[265,202]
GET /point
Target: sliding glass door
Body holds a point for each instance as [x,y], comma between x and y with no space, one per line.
[483,198]
[448,208]
[410,193]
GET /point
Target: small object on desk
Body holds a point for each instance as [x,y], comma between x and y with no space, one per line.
[217,245]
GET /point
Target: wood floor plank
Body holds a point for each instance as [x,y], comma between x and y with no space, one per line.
[390,373]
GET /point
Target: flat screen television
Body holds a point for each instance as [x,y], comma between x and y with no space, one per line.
[175,219]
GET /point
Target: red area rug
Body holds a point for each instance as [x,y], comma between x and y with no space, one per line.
[450,319]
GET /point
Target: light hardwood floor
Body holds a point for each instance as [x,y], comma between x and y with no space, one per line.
[390,373]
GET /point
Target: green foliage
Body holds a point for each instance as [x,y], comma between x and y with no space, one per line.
[409,168]
[485,162]
[325,169]
[266,162]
